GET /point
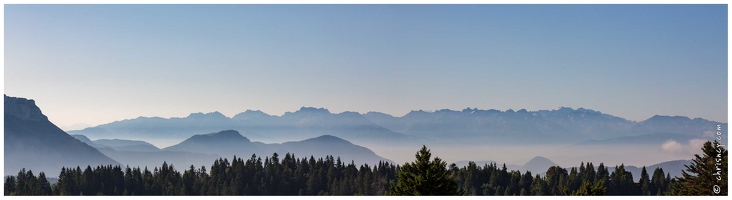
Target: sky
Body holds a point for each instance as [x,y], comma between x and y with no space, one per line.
[94,64]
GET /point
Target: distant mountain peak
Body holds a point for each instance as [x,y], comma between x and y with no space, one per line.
[225,133]
[416,113]
[539,160]
[469,110]
[200,115]
[564,108]
[446,111]
[327,138]
[250,111]
[23,108]
[377,113]
[249,114]
[666,117]
[349,113]
[538,164]
[313,110]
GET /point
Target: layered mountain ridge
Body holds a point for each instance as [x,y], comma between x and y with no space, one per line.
[34,143]
[560,126]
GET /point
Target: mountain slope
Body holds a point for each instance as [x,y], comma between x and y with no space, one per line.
[331,145]
[33,142]
[229,143]
[225,143]
[127,145]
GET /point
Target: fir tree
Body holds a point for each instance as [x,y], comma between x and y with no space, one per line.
[425,177]
[700,177]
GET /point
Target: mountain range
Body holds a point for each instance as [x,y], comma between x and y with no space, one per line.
[292,126]
[469,126]
[563,125]
[34,143]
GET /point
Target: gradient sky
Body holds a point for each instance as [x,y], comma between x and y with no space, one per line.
[95,64]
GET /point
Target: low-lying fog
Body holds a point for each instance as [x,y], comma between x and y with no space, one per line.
[564,155]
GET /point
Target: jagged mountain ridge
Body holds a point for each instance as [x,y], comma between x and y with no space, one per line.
[473,126]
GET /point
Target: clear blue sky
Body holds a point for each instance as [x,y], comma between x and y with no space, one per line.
[96,64]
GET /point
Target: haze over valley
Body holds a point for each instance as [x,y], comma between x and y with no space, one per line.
[338,99]
[563,136]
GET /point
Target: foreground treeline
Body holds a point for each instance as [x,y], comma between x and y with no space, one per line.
[491,180]
[329,176]
[255,176]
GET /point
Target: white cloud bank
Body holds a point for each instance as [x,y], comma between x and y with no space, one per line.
[692,147]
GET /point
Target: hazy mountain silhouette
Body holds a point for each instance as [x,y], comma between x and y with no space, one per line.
[229,143]
[33,142]
[331,145]
[127,145]
[181,160]
[117,144]
[84,139]
[225,143]
[537,164]
[673,168]
[292,126]
[143,128]
[678,124]
[563,125]
[383,132]
[657,138]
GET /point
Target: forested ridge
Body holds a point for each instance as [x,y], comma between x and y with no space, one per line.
[331,176]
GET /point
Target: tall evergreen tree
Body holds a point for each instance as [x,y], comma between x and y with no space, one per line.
[645,182]
[658,182]
[705,171]
[425,177]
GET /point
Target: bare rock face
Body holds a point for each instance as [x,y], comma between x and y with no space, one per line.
[24,109]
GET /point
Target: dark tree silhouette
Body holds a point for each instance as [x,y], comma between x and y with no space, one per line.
[425,177]
[700,177]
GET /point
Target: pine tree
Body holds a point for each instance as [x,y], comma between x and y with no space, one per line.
[43,187]
[588,189]
[10,185]
[645,182]
[658,182]
[425,177]
[700,177]
[539,187]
